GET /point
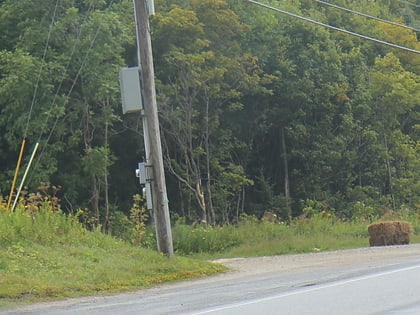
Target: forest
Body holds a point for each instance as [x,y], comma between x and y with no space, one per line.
[259,111]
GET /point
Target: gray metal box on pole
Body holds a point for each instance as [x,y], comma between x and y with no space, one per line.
[130,90]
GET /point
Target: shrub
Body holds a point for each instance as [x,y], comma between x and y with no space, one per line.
[132,228]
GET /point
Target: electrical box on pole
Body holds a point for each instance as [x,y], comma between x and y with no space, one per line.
[141,173]
[150,7]
[144,174]
[130,85]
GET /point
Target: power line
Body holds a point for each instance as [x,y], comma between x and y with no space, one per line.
[335,28]
[41,68]
[69,93]
[409,3]
[66,68]
[67,97]
[367,15]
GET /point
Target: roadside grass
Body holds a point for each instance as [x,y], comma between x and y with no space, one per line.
[254,238]
[259,238]
[45,254]
[49,255]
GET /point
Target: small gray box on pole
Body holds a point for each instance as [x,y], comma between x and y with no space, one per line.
[130,90]
[151,7]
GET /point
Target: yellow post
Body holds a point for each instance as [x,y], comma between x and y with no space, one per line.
[16,174]
[24,175]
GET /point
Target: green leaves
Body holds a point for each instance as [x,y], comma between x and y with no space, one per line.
[233,81]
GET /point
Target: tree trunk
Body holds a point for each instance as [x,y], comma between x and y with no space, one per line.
[211,215]
[388,168]
[94,199]
[286,174]
[106,188]
[88,131]
[201,201]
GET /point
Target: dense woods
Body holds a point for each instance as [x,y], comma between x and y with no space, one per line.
[259,111]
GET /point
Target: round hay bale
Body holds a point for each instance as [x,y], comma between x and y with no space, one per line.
[389,233]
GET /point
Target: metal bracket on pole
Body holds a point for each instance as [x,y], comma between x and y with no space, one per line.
[144,174]
[147,192]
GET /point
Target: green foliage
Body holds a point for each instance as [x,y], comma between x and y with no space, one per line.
[138,218]
[132,228]
[233,80]
[363,212]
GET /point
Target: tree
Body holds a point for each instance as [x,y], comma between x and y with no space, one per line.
[74,109]
[200,85]
[395,95]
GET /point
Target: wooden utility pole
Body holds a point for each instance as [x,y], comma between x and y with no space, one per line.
[154,158]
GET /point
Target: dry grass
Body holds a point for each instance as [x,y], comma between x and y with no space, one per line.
[389,233]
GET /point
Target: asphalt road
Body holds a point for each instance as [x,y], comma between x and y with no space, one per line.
[388,286]
[392,291]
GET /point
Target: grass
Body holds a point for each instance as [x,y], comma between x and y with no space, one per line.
[49,255]
[267,239]
[254,238]
[46,254]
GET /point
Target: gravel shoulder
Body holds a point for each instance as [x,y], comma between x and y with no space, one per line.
[328,259]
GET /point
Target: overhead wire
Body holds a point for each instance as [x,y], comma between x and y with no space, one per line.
[64,74]
[410,3]
[372,39]
[68,94]
[367,15]
[41,67]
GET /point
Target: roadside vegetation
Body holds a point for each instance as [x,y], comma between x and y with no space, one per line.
[47,254]
[253,237]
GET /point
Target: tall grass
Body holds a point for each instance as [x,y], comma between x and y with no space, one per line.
[43,227]
[203,239]
[47,254]
[257,238]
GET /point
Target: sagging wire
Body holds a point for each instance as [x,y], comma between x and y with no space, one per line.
[367,15]
[375,40]
[69,93]
[410,3]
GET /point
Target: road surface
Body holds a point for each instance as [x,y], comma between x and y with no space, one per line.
[383,280]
